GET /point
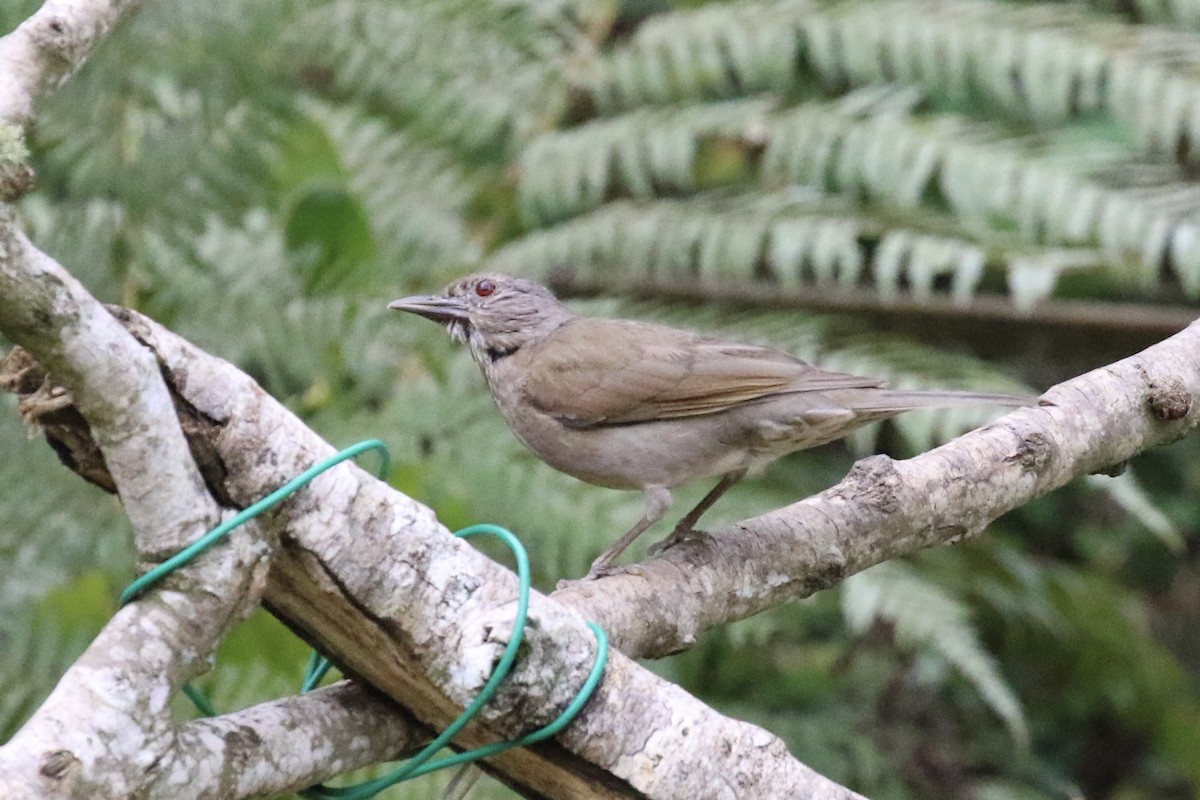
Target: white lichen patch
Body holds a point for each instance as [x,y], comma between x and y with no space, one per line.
[13,149]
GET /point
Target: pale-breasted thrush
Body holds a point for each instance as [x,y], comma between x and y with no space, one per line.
[634,405]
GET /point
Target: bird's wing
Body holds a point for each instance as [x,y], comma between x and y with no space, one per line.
[610,372]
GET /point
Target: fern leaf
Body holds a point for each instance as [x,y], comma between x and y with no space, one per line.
[413,195]
[796,239]
[708,53]
[639,154]
[927,619]
[1045,62]
[470,74]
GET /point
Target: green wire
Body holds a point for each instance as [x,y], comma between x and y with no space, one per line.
[199,700]
[417,765]
[368,789]
[274,498]
[318,665]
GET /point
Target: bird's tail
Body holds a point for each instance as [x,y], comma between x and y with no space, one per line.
[899,400]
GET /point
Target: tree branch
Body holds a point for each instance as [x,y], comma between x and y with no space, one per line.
[285,745]
[109,710]
[456,604]
[124,679]
[46,49]
[125,409]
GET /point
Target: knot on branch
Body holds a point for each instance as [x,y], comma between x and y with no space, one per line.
[49,408]
[1169,399]
[56,37]
[59,764]
[1033,452]
[873,481]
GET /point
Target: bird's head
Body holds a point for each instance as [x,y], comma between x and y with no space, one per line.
[495,314]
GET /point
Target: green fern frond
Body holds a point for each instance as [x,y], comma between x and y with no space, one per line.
[63,546]
[794,238]
[713,52]
[135,145]
[926,618]
[1127,493]
[1141,216]
[1035,206]
[53,529]
[1064,189]
[1019,57]
[470,74]
[821,145]
[413,196]
[639,154]
[86,235]
[1074,187]
[135,138]
[1044,62]
[204,283]
[233,171]
[313,351]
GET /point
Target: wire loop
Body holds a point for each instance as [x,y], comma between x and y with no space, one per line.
[318,665]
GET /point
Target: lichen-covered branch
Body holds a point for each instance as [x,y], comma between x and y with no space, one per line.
[106,729]
[121,684]
[108,715]
[114,383]
[284,745]
[370,577]
[92,735]
[399,600]
[48,48]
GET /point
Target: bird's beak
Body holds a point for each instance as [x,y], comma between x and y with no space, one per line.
[438,309]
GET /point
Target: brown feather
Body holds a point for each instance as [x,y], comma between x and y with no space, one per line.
[593,372]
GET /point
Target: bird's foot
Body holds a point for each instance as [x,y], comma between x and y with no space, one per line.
[678,536]
[593,574]
[602,571]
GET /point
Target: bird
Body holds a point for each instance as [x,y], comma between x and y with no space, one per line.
[634,405]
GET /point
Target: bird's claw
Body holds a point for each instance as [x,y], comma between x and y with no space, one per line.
[593,574]
[677,536]
[598,572]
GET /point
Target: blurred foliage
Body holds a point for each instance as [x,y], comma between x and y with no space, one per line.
[262,176]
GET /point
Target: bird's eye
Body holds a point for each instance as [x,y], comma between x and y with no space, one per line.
[485,287]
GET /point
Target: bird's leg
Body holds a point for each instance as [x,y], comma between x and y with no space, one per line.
[658,500]
[685,528]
